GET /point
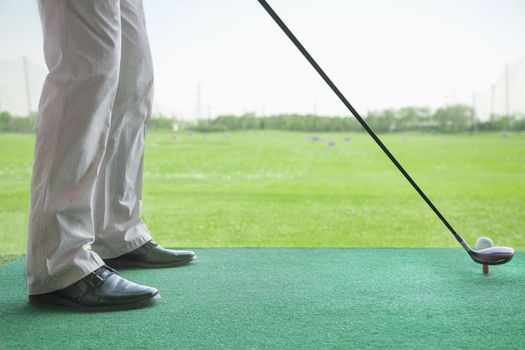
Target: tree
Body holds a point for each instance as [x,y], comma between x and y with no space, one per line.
[453,118]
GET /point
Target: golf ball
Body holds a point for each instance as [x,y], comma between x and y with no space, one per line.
[484,242]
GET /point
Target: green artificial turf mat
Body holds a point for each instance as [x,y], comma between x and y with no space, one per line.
[280,298]
[4,259]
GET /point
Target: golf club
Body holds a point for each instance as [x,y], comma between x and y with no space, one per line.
[486,256]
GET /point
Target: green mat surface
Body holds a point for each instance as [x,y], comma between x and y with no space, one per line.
[292,299]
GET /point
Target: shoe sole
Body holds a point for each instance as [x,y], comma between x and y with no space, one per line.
[120,264]
[53,301]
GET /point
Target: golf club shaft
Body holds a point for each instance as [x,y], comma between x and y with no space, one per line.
[343,99]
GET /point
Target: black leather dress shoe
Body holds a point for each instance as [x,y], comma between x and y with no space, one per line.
[151,255]
[101,290]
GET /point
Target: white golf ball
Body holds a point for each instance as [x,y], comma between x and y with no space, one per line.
[484,242]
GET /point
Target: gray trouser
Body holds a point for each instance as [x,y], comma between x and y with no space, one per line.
[86,190]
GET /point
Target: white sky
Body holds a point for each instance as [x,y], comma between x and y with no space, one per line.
[380,53]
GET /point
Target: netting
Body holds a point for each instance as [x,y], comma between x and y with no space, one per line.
[506,97]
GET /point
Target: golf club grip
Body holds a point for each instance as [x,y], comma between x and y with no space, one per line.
[343,99]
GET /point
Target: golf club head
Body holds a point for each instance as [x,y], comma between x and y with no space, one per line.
[492,255]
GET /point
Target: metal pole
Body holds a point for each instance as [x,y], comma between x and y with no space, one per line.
[28,90]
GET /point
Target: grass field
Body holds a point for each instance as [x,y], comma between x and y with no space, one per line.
[281,189]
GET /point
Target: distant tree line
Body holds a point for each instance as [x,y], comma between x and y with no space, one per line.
[450,119]
[21,124]
[456,118]
[10,123]
[160,122]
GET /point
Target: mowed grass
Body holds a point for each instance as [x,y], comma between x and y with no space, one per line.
[271,188]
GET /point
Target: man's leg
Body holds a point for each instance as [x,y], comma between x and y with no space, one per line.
[120,233]
[82,44]
[118,226]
